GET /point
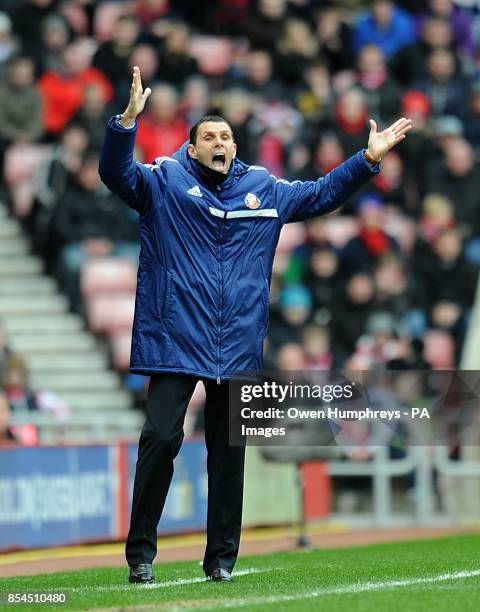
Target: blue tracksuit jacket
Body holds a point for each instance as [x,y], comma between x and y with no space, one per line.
[207,252]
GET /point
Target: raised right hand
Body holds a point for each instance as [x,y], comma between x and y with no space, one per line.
[137,100]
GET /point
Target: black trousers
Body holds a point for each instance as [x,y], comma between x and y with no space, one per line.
[160,441]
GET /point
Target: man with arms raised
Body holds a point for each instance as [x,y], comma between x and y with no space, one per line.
[209,226]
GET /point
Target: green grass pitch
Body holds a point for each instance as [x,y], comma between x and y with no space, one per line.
[418,576]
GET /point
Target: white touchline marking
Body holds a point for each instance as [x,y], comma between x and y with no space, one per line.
[343,590]
[168,583]
[164,583]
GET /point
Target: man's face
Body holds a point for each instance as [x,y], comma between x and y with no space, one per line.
[214,147]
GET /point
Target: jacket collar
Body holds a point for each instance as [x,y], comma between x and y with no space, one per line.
[237,167]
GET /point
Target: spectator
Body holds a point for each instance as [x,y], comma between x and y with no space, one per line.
[7,435]
[8,44]
[299,163]
[21,107]
[63,91]
[112,57]
[291,357]
[385,26]
[175,64]
[437,216]
[154,16]
[162,130]
[315,238]
[145,57]
[93,114]
[335,37]
[409,64]
[229,17]
[439,350]
[418,151]
[295,311]
[55,35]
[350,314]
[259,77]
[443,84]
[22,398]
[390,181]
[278,127]
[315,97]
[316,347]
[51,184]
[236,107]
[446,287]
[457,178]
[445,130]
[351,120]
[195,101]
[378,345]
[472,116]
[27,16]
[393,292]
[322,278]
[90,222]
[328,153]
[380,90]
[266,24]
[408,356]
[460,23]
[297,49]
[363,252]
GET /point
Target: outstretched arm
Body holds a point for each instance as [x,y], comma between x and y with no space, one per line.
[299,200]
[118,169]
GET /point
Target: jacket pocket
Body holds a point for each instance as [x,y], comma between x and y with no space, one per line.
[165,313]
[164,295]
[264,316]
[265,307]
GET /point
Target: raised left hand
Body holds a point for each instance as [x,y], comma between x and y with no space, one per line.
[380,143]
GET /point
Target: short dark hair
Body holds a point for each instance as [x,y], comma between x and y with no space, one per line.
[205,119]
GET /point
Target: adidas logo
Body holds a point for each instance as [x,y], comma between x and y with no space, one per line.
[195,191]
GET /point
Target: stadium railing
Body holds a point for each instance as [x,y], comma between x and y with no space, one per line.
[82,428]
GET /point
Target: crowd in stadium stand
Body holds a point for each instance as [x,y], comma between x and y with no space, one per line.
[389,281]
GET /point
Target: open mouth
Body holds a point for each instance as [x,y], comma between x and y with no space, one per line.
[218,161]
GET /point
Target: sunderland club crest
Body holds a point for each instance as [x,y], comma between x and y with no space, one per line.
[252,201]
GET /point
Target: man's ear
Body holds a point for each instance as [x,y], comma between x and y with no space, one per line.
[234,150]
[192,152]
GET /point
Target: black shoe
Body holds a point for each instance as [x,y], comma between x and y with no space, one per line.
[142,573]
[220,575]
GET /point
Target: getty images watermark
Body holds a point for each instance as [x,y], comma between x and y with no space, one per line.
[352,408]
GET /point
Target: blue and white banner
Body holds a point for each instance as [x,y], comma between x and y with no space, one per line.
[54,496]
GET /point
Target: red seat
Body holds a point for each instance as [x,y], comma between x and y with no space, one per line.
[108,275]
[110,312]
[121,344]
[20,166]
[213,54]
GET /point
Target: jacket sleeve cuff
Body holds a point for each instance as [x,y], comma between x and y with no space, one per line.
[374,168]
[114,124]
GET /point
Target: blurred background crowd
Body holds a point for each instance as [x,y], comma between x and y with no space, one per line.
[388,282]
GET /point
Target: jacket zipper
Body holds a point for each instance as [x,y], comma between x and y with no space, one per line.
[219,327]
